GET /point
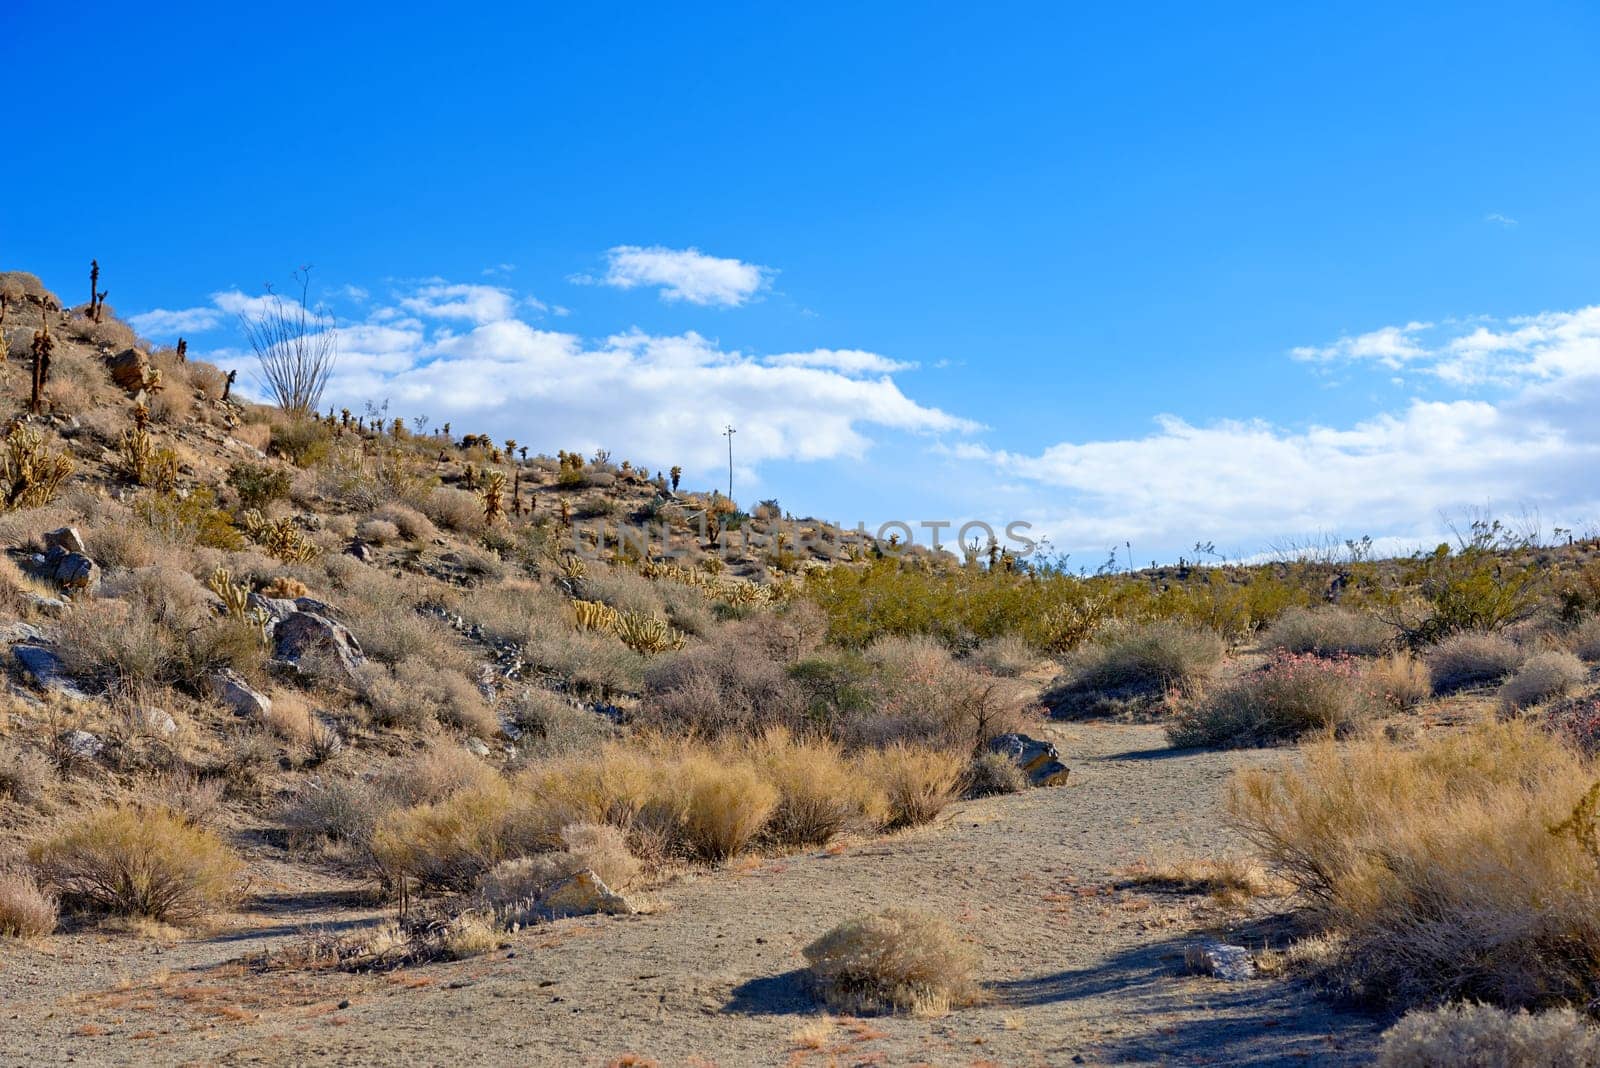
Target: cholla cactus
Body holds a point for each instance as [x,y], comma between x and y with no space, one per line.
[30,474]
[595,615]
[573,569]
[236,602]
[646,633]
[145,464]
[494,493]
[280,538]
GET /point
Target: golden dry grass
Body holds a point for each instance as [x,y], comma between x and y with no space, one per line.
[900,960]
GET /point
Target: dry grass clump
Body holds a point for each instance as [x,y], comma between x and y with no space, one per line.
[724,805]
[449,843]
[992,774]
[1585,639]
[1471,659]
[1329,630]
[921,694]
[412,524]
[547,724]
[1461,868]
[1005,655]
[417,694]
[455,509]
[1131,669]
[1481,1036]
[26,911]
[1540,678]
[141,862]
[1400,680]
[818,790]
[24,774]
[723,687]
[1231,880]
[1293,696]
[377,531]
[901,960]
[916,782]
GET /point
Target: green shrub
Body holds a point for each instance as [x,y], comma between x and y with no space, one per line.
[258,484]
[1131,670]
[1290,697]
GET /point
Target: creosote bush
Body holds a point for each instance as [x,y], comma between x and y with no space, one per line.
[144,862]
[900,960]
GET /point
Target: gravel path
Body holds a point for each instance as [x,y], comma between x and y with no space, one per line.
[1076,968]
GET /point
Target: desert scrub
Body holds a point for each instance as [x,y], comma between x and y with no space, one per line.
[1329,631]
[1292,696]
[915,782]
[991,774]
[127,860]
[1471,659]
[1460,868]
[26,911]
[818,790]
[1540,678]
[1400,680]
[900,960]
[597,847]
[1482,1036]
[1131,669]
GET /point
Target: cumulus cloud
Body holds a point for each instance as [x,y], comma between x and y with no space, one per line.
[684,274]
[474,303]
[162,323]
[656,399]
[845,361]
[1392,346]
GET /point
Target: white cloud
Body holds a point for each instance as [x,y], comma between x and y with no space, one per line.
[475,303]
[845,361]
[161,323]
[1392,346]
[1499,219]
[684,274]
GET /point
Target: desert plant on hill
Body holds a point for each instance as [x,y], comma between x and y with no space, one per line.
[900,960]
[30,474]
[1461,868]
[916,782]
[296,345]
[1130,669]
[1400,679]
[1292,696]
[148,862]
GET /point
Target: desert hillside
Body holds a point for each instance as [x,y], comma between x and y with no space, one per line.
[330,733]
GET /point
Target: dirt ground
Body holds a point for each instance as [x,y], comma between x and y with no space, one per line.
[1077,969]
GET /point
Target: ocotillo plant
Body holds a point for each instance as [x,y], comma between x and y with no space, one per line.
[227,387]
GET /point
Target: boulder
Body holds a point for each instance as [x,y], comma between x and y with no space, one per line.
[157,721]
[477,747]
[50,606]
[277,608]
[1038,759]
[131,370]
[65,538]
[71,570]
[1220,961]
[12,633]
[302,633]
[582,893]
[44,669]
[245,700]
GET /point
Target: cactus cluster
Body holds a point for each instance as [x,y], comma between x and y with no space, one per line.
[281,538]
[236,603]
[30,474]
[141,461]
[640,631]
[494,496]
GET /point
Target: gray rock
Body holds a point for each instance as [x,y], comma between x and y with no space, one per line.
[66,539]
[477,747]
[81,744]
[1220,961]
[157,721]
[11,633]
[44,669]
[245,700]
[1038,759]
[311,604]
[70,570]
[583,893]
[278,608]
[303,633]
[50,606]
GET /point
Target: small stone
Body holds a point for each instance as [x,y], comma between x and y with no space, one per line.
[71,570]
[477,747]
[158,721]
[1038,759]
[11,633]
[45,670]
[50,606]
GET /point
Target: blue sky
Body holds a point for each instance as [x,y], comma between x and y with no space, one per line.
[1120,248]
